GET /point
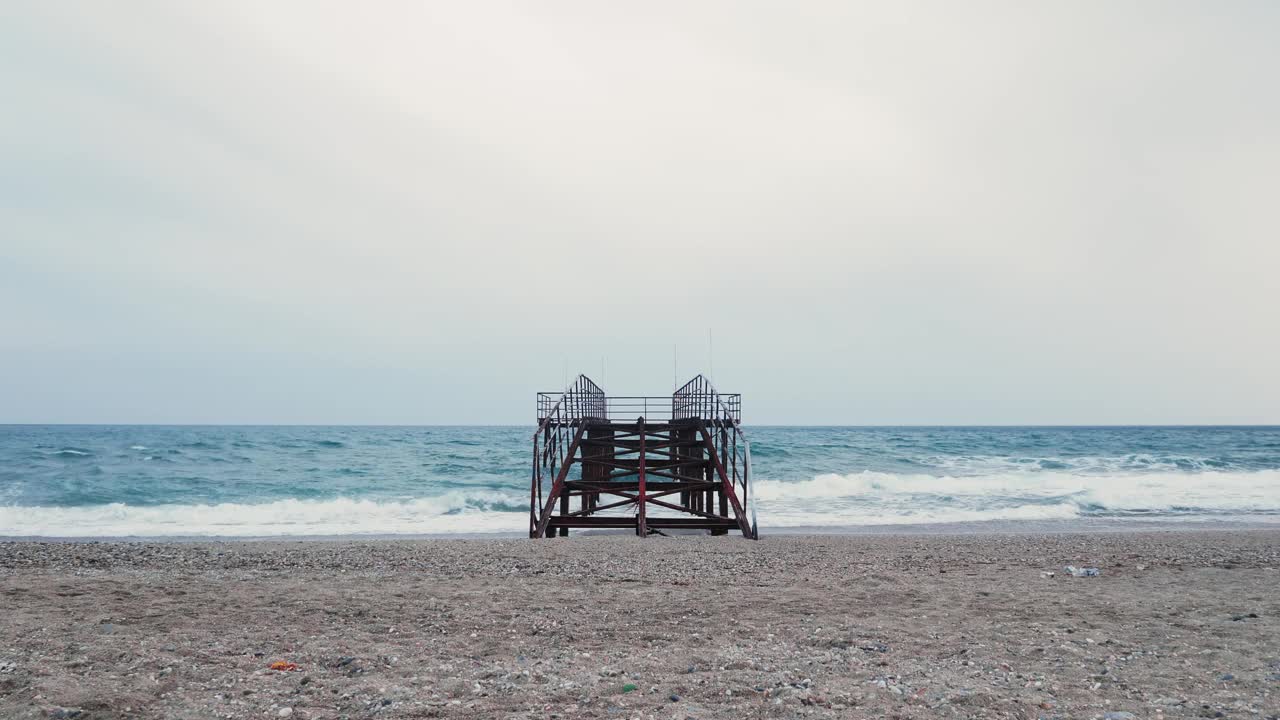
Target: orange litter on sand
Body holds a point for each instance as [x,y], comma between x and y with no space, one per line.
[284,666]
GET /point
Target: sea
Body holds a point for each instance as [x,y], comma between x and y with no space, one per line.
[65,481]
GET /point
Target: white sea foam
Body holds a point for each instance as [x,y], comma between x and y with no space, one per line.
[453,513]
[790,518]
[868,498]
[884,498]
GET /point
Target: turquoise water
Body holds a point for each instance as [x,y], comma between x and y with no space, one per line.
[253,481]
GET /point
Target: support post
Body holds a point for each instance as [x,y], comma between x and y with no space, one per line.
[641,528]
[564,510]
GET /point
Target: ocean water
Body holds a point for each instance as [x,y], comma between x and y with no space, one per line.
[154,481]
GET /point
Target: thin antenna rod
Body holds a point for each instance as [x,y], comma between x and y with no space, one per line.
[711,359]
[675,369]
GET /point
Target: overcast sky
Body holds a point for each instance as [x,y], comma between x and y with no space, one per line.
[422,212]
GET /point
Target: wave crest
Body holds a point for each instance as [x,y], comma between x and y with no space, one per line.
[887,498]
[457,512]
[831,500]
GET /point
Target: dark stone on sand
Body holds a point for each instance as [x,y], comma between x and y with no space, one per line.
[675,697]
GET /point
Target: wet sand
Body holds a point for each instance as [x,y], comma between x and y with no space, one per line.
[1180,624]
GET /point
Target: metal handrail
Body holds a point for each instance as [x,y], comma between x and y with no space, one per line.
[651,407]
[700,395]
[581,400]
[571,391]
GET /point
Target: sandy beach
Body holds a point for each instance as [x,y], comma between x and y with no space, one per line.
[1180,624]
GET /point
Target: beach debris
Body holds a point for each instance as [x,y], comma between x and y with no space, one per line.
[62,713]
[349,665]
[285,712]
[7,666]
[1082,571]
[629,687]
[283,666]
[1048,574]
[674,698]
[1228,677]
[1118,715]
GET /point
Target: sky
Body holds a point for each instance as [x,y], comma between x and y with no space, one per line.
[407,212]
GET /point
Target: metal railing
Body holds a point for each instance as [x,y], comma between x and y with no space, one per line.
[561,419]
[721,416]
[698,398]
[655,408]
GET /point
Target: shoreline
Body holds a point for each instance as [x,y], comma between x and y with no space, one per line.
[987,527]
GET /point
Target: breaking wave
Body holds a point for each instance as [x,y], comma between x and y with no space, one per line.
[832,500]
[170,481]
[877,498]
[451,513]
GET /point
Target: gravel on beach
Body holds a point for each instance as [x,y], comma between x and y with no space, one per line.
[1178,625]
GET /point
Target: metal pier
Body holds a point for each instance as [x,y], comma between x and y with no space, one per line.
[679,462]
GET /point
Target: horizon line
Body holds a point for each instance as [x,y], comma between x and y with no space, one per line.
[747,425]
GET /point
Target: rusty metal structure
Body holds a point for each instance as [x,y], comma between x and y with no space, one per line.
[678,462]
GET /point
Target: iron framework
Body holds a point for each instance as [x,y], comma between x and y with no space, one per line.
[679,462]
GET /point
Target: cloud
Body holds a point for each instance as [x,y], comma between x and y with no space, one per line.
[932,212]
